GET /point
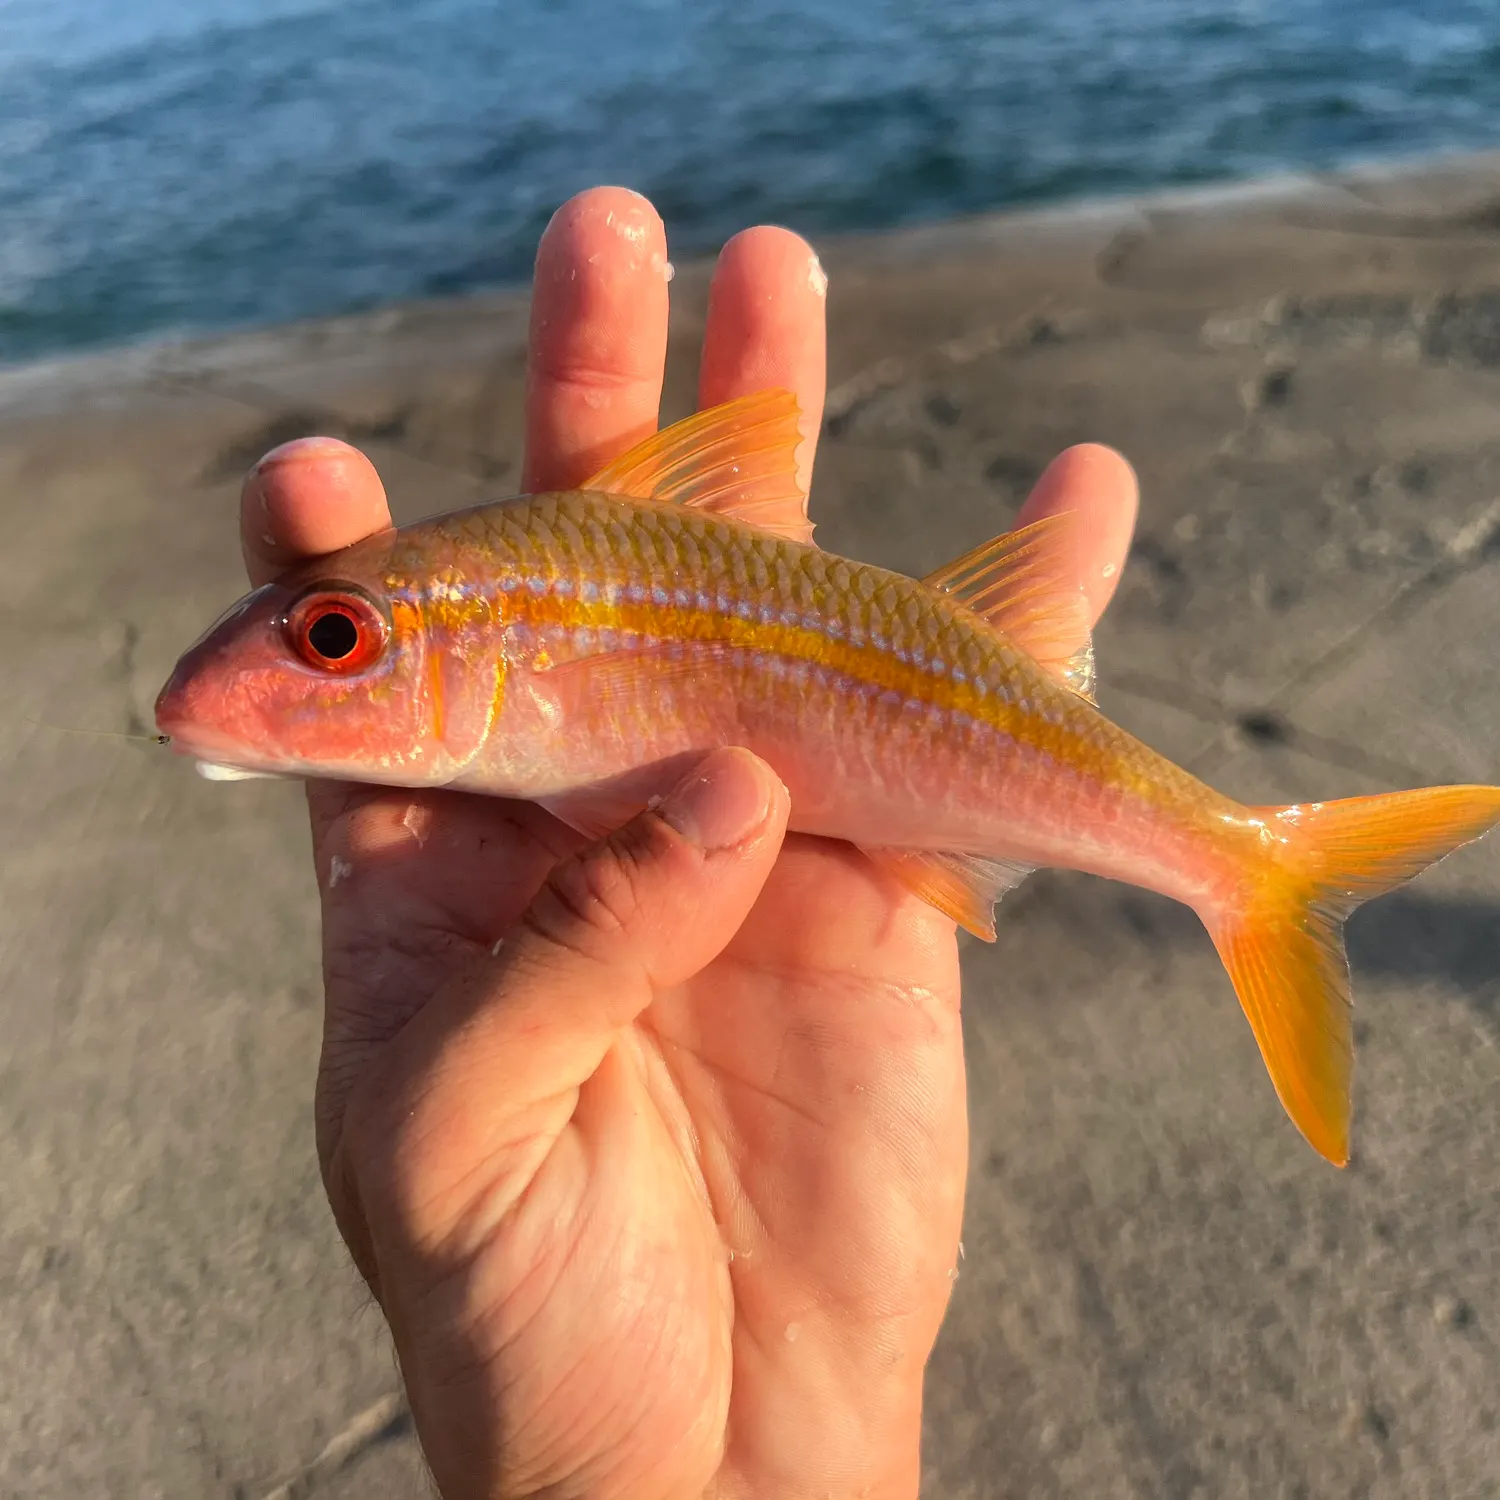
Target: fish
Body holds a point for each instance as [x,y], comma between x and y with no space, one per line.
[583,649]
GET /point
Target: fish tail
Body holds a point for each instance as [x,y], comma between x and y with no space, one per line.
[1282,937]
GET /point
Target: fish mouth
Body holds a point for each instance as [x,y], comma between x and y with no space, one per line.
[185,734]
[206,708]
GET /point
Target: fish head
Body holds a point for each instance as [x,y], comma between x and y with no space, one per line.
[341,669]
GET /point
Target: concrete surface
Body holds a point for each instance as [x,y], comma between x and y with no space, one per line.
[1164,1293]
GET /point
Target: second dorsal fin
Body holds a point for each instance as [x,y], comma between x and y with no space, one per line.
[738,459]
[1023,584]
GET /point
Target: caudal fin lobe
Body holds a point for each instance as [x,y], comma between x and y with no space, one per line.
[1284,943]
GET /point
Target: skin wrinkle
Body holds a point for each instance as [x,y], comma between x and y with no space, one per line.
[587,374]
[720,1182]
[763,1091]
[649,1050]
[496,1186]
[901,1293]
[726,1143]
[569,1374]
[852,1437]
[590,901]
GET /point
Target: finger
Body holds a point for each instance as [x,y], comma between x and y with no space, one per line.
[502,1056]
[304,499]
[767,327]
[598,343]
[1097,485]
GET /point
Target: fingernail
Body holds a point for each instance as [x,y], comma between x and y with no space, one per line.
[723,802]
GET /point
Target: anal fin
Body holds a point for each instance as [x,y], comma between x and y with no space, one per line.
[962,886]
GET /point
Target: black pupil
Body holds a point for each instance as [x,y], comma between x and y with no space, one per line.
[333,636]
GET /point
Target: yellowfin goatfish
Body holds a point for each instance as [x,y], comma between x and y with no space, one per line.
[582,649]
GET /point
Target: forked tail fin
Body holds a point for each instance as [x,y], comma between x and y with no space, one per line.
[1283,944]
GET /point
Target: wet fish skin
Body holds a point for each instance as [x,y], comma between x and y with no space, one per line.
[580,649]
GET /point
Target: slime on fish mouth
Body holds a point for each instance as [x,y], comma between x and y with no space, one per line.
[581,649]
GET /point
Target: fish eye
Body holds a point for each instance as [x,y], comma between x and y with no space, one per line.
[336,629]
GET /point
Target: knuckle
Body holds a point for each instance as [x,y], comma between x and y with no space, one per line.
[587,374]
[595,899]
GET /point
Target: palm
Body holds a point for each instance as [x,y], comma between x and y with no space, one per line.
[820,1061]
[779,1143]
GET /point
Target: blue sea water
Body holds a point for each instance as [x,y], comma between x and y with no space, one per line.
[168,165]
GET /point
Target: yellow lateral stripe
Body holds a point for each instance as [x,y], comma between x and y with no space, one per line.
[881,668]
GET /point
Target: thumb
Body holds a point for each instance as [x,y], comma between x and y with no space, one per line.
[496,1059]
[638,913]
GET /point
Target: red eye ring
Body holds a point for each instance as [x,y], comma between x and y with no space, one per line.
[336,629]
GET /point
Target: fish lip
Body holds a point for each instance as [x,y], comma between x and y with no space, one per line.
[204,745]
[194,740]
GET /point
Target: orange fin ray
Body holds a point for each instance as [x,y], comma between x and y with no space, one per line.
[737,460]
[1284,947]
[964,887]
[1023,583]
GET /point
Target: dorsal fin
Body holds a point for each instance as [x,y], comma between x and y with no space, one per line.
[738,459]
[1023,583]
[962,886]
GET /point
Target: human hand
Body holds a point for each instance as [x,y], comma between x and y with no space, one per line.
[653,1152]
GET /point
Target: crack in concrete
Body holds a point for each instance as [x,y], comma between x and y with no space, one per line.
[378,1423]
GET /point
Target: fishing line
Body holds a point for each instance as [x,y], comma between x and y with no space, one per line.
[102,734]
